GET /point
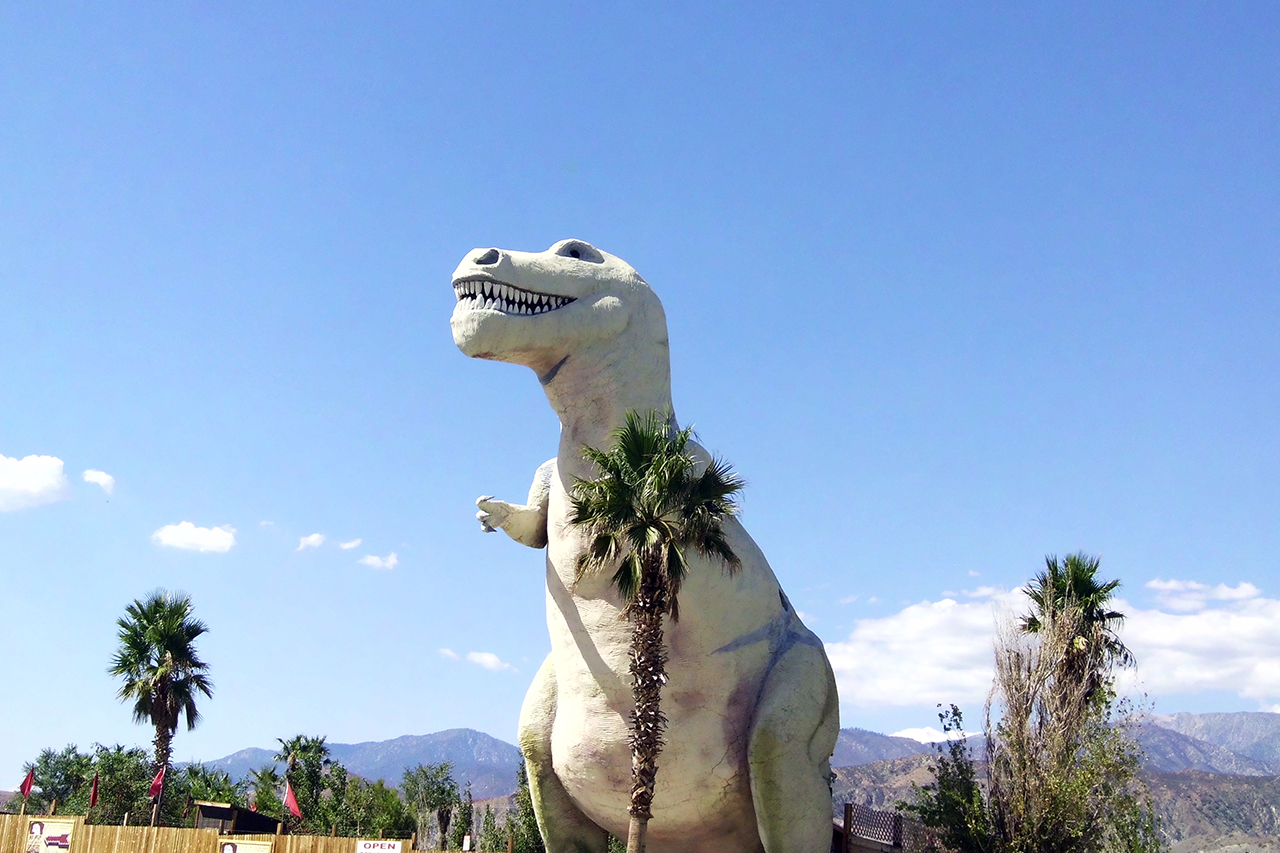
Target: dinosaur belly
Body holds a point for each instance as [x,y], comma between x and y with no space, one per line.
[703,795]
[718,655]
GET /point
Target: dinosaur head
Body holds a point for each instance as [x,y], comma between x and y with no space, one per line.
[540,308]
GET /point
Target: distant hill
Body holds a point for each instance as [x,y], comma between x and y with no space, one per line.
[880,784]
[1170,751]
[1209,811]
[1251,734]
[1199,811]
[487,763]
[859,746]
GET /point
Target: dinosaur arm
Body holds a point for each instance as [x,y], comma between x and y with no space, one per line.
[526,523]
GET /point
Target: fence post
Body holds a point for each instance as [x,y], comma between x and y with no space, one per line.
[848,827]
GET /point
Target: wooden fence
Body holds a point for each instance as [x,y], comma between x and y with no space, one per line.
[146,839]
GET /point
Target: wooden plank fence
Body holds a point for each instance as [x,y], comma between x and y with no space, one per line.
[97,838]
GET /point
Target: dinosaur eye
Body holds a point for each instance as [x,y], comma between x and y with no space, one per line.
[581,251]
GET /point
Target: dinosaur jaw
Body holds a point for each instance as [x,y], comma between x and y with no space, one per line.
[476,293]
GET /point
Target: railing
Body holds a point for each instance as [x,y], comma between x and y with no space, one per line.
[870,828]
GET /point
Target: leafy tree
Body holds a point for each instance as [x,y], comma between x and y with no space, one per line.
[646,510]
[490,840]
[373,808]
[124,776]
[464,824]
[954,802]
[1062,765]
[59,776]
[430,791]
[522,824]
[157,661]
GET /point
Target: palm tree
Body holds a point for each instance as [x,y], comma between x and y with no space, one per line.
[305,762]
[1072,585]
[644,512]
[158,663]
[265,782]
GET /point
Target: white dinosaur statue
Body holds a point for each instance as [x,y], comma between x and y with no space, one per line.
[751,700]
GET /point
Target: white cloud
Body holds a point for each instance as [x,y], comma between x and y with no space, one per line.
[973,573]
[488,660]
[1189,595]
[848,599]
[927,653]
[347,546]
[31,481]
[315,540]
[1232,644]
[266,524]
[188,537]
[102,478]
[941,652]
[387,562]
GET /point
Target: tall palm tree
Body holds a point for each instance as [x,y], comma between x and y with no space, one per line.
[306,760]
[644,512]
[1072,584]
[158,664]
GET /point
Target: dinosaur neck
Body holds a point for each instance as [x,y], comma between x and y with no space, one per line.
[593,390]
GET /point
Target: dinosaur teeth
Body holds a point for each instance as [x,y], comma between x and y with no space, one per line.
[507,298]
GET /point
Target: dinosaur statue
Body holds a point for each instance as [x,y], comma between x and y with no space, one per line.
[751,700]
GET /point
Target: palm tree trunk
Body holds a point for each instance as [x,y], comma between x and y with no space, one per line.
[648,674]
[163,742]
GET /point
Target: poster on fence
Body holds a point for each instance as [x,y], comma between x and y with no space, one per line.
[377,845]
[45,834]
[244,847]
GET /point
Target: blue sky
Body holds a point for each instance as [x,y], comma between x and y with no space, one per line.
[954,286]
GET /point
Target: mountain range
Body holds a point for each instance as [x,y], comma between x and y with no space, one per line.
[487,763]
[1238,744]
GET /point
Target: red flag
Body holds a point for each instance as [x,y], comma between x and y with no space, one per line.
[156,784]
[290,801]
[93,792]
[25,787]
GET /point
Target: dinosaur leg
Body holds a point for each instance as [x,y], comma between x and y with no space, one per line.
[564,828]
[797,722]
